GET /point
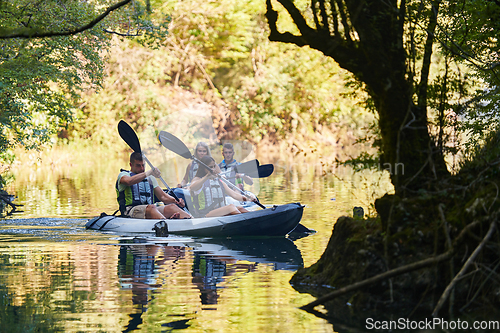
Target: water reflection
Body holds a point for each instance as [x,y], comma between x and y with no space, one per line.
[143,261]
[219,259]
[93,290]
[137,272]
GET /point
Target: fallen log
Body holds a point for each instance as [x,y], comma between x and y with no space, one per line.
[7,198]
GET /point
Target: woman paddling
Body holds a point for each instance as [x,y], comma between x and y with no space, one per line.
[200,150]
[208,193]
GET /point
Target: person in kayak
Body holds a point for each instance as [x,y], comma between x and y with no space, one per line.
[200,150]
[208,193]
[136,190]
[229,167]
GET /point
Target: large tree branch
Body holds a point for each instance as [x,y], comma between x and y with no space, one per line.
[348,55]
[297,17]
[426,64]
[33,33]
[336,31]
[345,24]
[324,16]
[275,35]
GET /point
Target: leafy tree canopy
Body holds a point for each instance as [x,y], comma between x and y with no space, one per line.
[50,51]
[219,52]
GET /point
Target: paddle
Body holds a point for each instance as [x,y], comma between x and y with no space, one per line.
[265,170]
[262,171]
[172,143]
[128,135]
[249,165]
[249,168]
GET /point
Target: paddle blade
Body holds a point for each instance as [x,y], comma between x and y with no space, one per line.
[172,143]
[128,135]
[249,168]
[254,170]
[265,170]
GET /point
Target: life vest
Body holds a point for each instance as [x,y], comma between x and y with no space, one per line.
[192,171]
[211,196]
[141,193]
[229,171]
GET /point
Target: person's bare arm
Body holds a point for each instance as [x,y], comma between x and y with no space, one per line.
[166,198]
[197,182]
[246,178]
[236,195]
[132,180]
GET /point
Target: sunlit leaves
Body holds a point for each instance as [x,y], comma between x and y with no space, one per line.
[221,49]
[43,77]
[270,87]
[469,35]
[142,20]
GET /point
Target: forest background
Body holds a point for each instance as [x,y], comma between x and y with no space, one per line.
[215,57]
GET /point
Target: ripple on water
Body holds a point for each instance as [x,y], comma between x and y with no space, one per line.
[50,229]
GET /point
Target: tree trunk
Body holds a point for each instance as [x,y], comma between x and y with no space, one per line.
[408,153]
[366,38]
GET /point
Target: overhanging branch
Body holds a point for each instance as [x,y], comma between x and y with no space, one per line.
[275,35]
[297,17]
[342,49]
[30,33]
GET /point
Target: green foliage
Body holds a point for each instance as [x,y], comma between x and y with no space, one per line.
[139,20]
[462,94]
[219,51]
[281,95]
[42,78]
[469,35]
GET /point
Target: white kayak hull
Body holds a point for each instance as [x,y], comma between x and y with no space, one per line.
[274,221]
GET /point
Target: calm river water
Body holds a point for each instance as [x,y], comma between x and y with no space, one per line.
[57,276]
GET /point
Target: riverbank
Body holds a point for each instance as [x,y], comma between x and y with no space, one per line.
[434,253]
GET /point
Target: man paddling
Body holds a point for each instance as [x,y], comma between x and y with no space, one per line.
[136,190]
[229,167]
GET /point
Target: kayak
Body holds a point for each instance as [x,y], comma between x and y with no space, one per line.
[278,220]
